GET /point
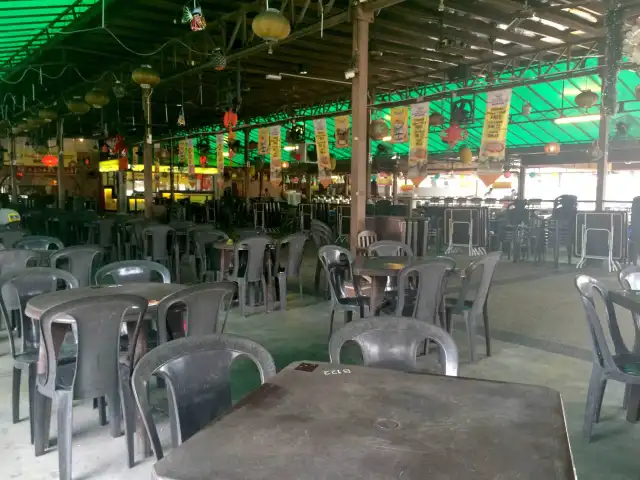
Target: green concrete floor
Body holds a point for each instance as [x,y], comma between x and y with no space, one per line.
[539,336]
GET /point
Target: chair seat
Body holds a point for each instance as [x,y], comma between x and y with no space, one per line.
[628,363]
[453,302]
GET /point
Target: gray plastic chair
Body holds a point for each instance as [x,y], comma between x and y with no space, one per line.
[18,287]
[201,306]
[133,241]
[132,271]
[39,242]
[95,373]
[394,343]
[197,372]
[389,248]
[256,248]
[620,365]
[471,308]
[337,263]
[629,277]
[320,238]
[102,234]
[294,245]
[10,237]
[200,238]
[81,261]
[155,243]
[17,259]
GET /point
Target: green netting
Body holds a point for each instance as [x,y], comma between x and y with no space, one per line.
[26,25]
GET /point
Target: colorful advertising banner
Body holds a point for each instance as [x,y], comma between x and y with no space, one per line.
[231,137]
[191,157]
[275,150]
[494,134]
[342,131]
[220,158]
[418,142]
[182,152]
[399,124]
[263,141]
[322,148]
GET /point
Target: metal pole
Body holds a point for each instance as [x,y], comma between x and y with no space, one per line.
[60,162]
[247,166]
[522,175]
[172,189]
[359,160]
[147,154]
[12,169]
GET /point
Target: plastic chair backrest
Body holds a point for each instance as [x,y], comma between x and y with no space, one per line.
[105,231]
[366,238]
[82,261]
[197,373]
[17,287]
[202,237]
[16,259]
[98,320]
[11,237]
[393,342]
[602,354]
[201,305]
[389,248]
[629,277]
[337,263]
[132,271]
[155,241]
[295,248]
[256,248]
[487,266]
[432,276]
[39,242]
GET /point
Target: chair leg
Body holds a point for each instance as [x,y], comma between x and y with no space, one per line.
[242,297]
[102,411]
[129,413]
[633,403]
[590,413]
[42,422]
[33,373]
[333,313]
[487,333]
[265,294]
[15,395]
[600,399]
[300,284]
[115,414]
[469,321]
[65,430]
[282,286]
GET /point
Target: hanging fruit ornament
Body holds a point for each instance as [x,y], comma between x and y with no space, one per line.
[586,99]
[97,97]
[526,108]
[552,148]
[452,135]
[145,76]
[218,60]
[48,115]
[118,90]
[378,129]
[507,174]
[271,26]
[192,14]
[230,119]
[436,119]
[466,155]
[181,119]
[78,106]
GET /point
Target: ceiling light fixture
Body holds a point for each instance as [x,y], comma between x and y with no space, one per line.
[290,148]
[386,139]
[350,73]
[577,119]
[273,76]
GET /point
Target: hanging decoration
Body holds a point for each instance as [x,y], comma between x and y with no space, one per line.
[118,90]
[322,149]
[453,134]
[192,14]
[220,159]
[507,174]
[418,140]
[145,76]
[263,141]
[271,26]
[78,106]
[116,146]
[48,115]
[230,119]
[378,129]
[552,148]
[181,120]
[219,60]
[342,131]
[156,174]
[50,160]
[465,154]
[491,157]
[97,97]
[399,124]
[203,161]
[275,150]
[586,99]
[436,119]
[526,109]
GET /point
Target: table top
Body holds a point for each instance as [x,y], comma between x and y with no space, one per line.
[154,292]
[629,299]
[232,246]
[381,266]
[323,421]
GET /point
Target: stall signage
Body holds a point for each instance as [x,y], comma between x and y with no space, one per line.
[322,148]
[418,142]
[275,150]
[494,134]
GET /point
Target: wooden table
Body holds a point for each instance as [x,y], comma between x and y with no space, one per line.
[153,292]
[322,421]
[379,269]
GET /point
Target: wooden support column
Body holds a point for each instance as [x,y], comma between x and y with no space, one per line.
[522,178]
[147,154]
[60,135]
[359,101]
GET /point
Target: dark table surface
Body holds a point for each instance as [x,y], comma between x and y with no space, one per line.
[627,299]
[322,421]
[381,266]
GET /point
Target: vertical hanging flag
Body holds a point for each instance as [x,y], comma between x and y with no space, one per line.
[191,170]
[220,158]
[182,152]
[399,125]
[263,141]
[494,134]
[134,155]
[418,142]
[231,137]
[342,131]
[322,149]
[275,150]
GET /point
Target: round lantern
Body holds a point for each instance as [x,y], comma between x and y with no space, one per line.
[436,119]
[552,148]
[586,99]
[532,174]
[145,76]
[436,176]
[203,160]
[97,98]
[378,129]
[219,60]
[466,156]
[271,26]
[285,164]
[47,115]
[118,89]
[50,160]
[507,174]
[78,106]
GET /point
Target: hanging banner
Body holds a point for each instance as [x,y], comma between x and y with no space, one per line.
[494,134]
[263,141]
[182,152]
[343,132]
[231,137]
[399,124]
[418,142]
[275,150]
[191,158]
[322,149]
[220,158]
[134,155]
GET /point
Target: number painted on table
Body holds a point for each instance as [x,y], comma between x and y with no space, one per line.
[341,371]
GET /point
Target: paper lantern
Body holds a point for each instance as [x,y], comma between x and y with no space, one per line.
[507,174]
[466,155]
[271,26]
[50,160]
[586,99]
[219,60]
[378,129]
[97,98]
[436,119]
[552,148]
[78,106]
[203,160]
[145,76]
[47,115]
[285,164]
[532,174]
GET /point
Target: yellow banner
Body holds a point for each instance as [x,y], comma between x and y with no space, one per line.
[494,134]
[418,142]
[191,157]
[399,125]
[342,131]
[263,141]
[220,157]
[322,149]
[275,150]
